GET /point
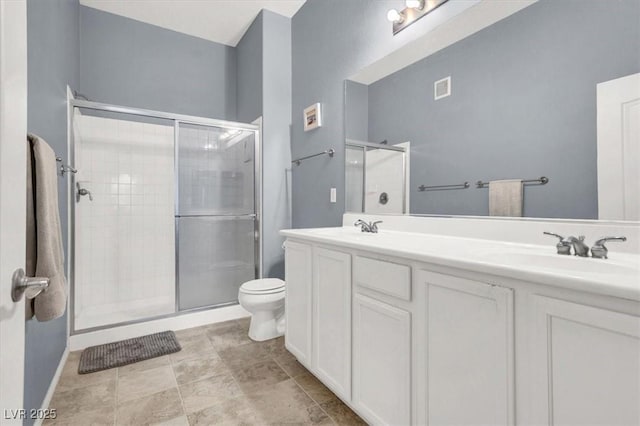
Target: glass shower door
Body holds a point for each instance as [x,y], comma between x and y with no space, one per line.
[123,251]
[215,214]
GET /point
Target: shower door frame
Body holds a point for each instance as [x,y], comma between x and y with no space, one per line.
[177,119]
[363,145]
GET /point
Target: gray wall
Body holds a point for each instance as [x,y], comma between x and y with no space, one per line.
[264,89]
[327,48]
[344,43]
[127,62]
[356,111]
[276,139]
[52,37]
[523,105]
[249,80]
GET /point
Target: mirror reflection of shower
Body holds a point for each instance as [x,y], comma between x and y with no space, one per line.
[376,177]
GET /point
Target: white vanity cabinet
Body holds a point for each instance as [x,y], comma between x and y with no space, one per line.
[381,361]
[469,351]
[332,319]
[382,341]
[298,300]
[586,364]
[404,340]
[318,312]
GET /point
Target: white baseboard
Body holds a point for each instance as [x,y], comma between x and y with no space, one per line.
[53,384]
[179,322]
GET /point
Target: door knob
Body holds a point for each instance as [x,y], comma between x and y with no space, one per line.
[21,284]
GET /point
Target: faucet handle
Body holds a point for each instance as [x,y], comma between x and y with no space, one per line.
[599,250]
[374,226]
[364,226]
[603,240]
[563,246]
[554,235]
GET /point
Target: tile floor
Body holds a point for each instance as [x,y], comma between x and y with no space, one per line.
[219,377]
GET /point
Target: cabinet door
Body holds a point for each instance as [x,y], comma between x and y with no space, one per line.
[298,277]
[586,364]
[332,320]
[470,352]
[381,361]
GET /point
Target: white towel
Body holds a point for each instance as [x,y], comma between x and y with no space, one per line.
[44,235]
[505,198]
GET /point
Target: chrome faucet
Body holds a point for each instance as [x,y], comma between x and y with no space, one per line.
[579,247]
[371,227]
[563,246]
[599,250]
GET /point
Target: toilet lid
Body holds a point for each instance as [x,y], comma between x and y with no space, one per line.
[263,285]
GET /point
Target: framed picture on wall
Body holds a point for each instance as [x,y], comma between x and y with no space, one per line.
[312,117]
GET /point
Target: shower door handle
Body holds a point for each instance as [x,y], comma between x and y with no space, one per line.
[81,192]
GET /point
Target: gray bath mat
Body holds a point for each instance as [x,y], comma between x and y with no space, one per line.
[117,354]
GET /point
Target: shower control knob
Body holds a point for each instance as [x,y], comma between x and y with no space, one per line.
[82,191]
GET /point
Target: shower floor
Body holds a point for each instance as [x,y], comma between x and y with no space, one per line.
[110,314]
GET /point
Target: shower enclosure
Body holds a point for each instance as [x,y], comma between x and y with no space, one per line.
[376,177]
[164,213]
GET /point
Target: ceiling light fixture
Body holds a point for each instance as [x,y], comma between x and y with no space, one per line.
[415,10]
[415,4]
[395,16]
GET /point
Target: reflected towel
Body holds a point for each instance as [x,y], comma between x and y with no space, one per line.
[45,255]
[505,198]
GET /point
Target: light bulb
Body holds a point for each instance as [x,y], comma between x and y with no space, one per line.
[415,4]
[394,16]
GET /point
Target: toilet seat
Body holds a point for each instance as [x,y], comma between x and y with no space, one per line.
[263,286]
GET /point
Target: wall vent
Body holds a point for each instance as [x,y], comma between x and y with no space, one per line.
[442,88]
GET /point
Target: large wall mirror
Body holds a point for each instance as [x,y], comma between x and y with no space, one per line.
[549,95]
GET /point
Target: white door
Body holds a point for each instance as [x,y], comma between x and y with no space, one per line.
[297,301]
[619,149]
[586,365]
[13,131]
[332,320]
[381,361]
[470,352]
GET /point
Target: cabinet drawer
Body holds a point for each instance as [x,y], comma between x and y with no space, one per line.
[389,278]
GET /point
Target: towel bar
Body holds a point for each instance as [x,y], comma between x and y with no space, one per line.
[443,187]
[328,152]
[540,181]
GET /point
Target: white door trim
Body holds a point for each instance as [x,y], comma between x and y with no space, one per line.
[13,133]
[618,148]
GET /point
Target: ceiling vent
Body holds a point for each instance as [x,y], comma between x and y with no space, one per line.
[442,88]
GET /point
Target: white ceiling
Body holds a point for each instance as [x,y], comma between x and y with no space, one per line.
[222,21]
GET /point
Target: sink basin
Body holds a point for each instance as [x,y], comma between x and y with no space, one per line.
[568,263]
[339,232]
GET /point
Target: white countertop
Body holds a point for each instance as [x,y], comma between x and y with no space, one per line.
[618,276]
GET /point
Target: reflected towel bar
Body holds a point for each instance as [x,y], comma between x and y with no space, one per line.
[443,187]
[540,181]
[328,152]
[65,169]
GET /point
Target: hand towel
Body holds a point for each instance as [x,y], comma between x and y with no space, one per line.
[44,235]
[505,198]
[30,264]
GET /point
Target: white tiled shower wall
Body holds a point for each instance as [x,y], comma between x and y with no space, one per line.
[124,238]
[384,173]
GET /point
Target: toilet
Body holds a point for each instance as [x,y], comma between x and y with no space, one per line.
[264,299]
